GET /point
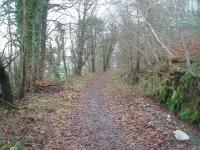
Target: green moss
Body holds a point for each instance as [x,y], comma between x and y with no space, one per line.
[179,94]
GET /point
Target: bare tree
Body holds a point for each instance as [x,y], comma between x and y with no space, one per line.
[83,9]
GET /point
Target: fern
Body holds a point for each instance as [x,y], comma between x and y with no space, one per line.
[190,114]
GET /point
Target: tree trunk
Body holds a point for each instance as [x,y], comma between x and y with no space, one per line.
[11,42]
[22,92]
[93,66]
[187,54]
[26,19]
[104,65]
[79,63]
[73,59]
[104,59]
[81,42]
[137,68]
[23,50]
[43,39]
[5,85]
[80,50]
[93,55]
[64,59]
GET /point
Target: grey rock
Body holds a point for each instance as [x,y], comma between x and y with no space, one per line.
[181,136]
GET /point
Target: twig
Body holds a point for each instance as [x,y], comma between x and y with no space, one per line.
[11,60]
[8,103]
[155,35]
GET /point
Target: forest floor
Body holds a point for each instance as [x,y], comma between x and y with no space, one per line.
[94,113]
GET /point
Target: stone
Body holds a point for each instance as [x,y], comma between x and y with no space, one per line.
[181,136]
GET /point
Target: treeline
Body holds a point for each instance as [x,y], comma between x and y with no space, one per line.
[151,32]
[158,44]
[47,40]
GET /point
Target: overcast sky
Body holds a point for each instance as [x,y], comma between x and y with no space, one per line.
[102,11]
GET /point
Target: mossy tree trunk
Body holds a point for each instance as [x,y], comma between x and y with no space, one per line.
[28,14]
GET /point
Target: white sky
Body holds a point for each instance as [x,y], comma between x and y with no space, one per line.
[102,11]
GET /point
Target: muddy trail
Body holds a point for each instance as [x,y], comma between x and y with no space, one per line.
[101,120]
[93,128]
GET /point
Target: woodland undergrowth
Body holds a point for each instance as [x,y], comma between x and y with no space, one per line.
[38,115]
[177,88]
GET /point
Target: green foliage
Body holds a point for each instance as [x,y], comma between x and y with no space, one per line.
[14,145]
[56,74]
[127,75]
[162,93]
[190,114]
[179,94]
[157,87]
[175,100]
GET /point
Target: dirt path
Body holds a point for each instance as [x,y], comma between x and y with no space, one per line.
[92,126]
[103,120]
